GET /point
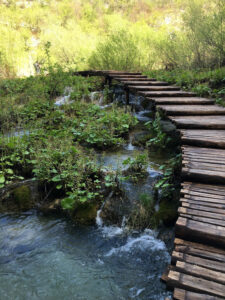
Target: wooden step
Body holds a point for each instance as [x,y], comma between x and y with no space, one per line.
[198,261]
[183,110]
[200,272]
[196,284]
[181,242]
[199,231]
[121,73]
[203,138]
[153,88]
[166,94]
[144,83]
[203,164]
[196,122]
[203,188]
[180,294]
[118,76]
[180,100]
[127,79]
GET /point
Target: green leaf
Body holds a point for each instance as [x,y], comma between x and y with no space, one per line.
[9,171]
[2,178]
[57,178]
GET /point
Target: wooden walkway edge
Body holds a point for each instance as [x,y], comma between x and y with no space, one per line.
[197,270]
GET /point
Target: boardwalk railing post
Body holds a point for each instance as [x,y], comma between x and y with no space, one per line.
[127,97]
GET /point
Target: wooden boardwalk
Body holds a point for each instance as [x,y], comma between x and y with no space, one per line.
[197,270]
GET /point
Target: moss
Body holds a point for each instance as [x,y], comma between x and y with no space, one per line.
[86,213]
[167,213]
[23,198]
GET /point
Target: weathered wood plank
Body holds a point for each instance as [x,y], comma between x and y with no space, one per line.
[201,272]
[195,284]
[153,88]
[203,262]
[182,242]
[180,100]
[183,110]
[180,294]
[186,201]
[124,76]
[144,83]
[166,94]
[124,79]
[200,253]
[203,219]
[211,234]
[211,209]
[196,212]
[204,188]
[205,122]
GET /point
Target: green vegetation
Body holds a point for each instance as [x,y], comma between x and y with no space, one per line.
[56,144]
[128,35]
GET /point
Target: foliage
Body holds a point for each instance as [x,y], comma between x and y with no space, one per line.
[160,140]
[137,166]
[50,146]
[129,35]
[166,184]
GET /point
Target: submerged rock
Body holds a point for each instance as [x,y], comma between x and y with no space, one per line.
[20,196]
[85,213]
[140,138]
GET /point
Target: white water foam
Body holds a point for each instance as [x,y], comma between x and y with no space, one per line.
[147,241]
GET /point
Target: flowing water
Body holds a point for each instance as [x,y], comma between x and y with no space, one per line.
[48,257]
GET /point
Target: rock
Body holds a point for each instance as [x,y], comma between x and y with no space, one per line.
[52,207]
[20,196]
[168,127]
[140,138]
[85,213]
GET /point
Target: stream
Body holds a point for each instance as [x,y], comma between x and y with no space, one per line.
[48,257]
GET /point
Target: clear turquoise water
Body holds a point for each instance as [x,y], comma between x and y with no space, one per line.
[51,258]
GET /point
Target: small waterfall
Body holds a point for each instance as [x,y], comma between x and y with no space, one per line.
[130,146]
[98,220]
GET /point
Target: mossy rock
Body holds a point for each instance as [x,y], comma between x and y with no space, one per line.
[141,138]
[167,213]
[86,213]
[22,197]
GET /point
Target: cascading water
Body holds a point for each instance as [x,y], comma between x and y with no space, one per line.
[48,257]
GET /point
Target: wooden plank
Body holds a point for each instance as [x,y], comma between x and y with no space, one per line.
[200,272]
[203,192]
[182,242]
[183,110]
[144,83]
[153,88]
[203,175]
[203,262]
[203,219]
[200,187]
[124,76]
[195,284]
[207,122]
[180,294]
[211,209]
[203,253]
[211,234]
[216,199]
[124,79]
[166,94]
[180,100]
[185,202]
[196,212]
